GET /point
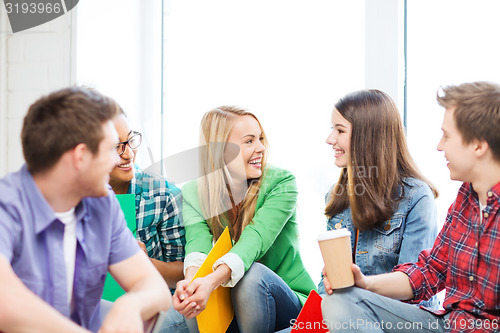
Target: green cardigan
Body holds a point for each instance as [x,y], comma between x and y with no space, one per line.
[272,236]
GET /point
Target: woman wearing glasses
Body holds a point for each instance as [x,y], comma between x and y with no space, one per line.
[158,211]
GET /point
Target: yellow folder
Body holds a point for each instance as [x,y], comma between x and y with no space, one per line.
[219,312]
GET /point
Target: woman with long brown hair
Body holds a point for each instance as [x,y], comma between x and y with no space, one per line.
[257,202]
[380,197]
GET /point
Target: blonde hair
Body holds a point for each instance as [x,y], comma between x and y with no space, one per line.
[215,187]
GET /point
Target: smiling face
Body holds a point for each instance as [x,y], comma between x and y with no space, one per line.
[340,139]
[123,173]
[460,156]
[246,133]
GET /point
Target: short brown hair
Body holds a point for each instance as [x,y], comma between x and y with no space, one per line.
[60,121]
[477,111]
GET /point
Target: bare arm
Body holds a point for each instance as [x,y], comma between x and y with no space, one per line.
[394,285]
[147,294]
[23,311]
[170,271]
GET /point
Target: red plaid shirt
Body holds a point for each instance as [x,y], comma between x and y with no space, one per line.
[465,260]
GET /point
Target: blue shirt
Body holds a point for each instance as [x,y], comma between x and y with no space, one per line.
[158,215]
[411,229]
[31,238]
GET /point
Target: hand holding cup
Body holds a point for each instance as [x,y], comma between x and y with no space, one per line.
[335,246]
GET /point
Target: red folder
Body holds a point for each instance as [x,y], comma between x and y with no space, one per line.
[310,318]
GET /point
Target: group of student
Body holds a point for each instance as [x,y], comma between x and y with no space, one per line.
[61,227]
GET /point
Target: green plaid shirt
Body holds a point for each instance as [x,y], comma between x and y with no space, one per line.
[158,214]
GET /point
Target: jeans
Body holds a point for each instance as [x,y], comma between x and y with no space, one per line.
[262,302]
[357,310]
[432,303]
[174,323]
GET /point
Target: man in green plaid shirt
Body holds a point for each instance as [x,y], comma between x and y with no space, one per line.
[158,205]
[158,214]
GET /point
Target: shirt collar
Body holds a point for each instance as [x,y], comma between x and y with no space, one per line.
[471,194]
[133,188]
[43,214]
[495,193]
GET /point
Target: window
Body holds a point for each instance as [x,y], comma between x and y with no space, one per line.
[457,43]
[118,52]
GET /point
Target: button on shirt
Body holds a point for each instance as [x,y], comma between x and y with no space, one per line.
[31,239]
[465,260]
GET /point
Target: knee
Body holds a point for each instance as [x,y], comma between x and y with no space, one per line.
[254,277]
[338,306]
[253,280]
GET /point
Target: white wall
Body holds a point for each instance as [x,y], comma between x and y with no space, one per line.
[449,42]
[32,63]
[384,48]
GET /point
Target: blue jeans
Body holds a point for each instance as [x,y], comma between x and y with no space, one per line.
[174,323]
[357,310]
[432,303]
[262,302]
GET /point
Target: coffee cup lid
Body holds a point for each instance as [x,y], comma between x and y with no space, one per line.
[335,233]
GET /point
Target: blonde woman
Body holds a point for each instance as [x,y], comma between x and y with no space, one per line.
[258,204]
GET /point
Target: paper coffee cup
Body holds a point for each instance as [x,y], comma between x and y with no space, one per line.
[335,246]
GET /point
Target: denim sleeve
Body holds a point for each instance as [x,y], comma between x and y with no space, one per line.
[421,224]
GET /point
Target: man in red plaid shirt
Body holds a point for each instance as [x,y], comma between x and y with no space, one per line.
[465,259]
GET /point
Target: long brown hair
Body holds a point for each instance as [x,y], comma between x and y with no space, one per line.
[372,183]
[215,188]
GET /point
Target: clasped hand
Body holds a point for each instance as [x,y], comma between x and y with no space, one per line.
[191,298]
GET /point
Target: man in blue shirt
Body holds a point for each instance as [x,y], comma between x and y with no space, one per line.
[62,229]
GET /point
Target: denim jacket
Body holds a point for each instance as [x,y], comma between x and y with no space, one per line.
[411,229]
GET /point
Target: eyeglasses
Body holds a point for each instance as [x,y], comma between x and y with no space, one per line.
[133,142]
